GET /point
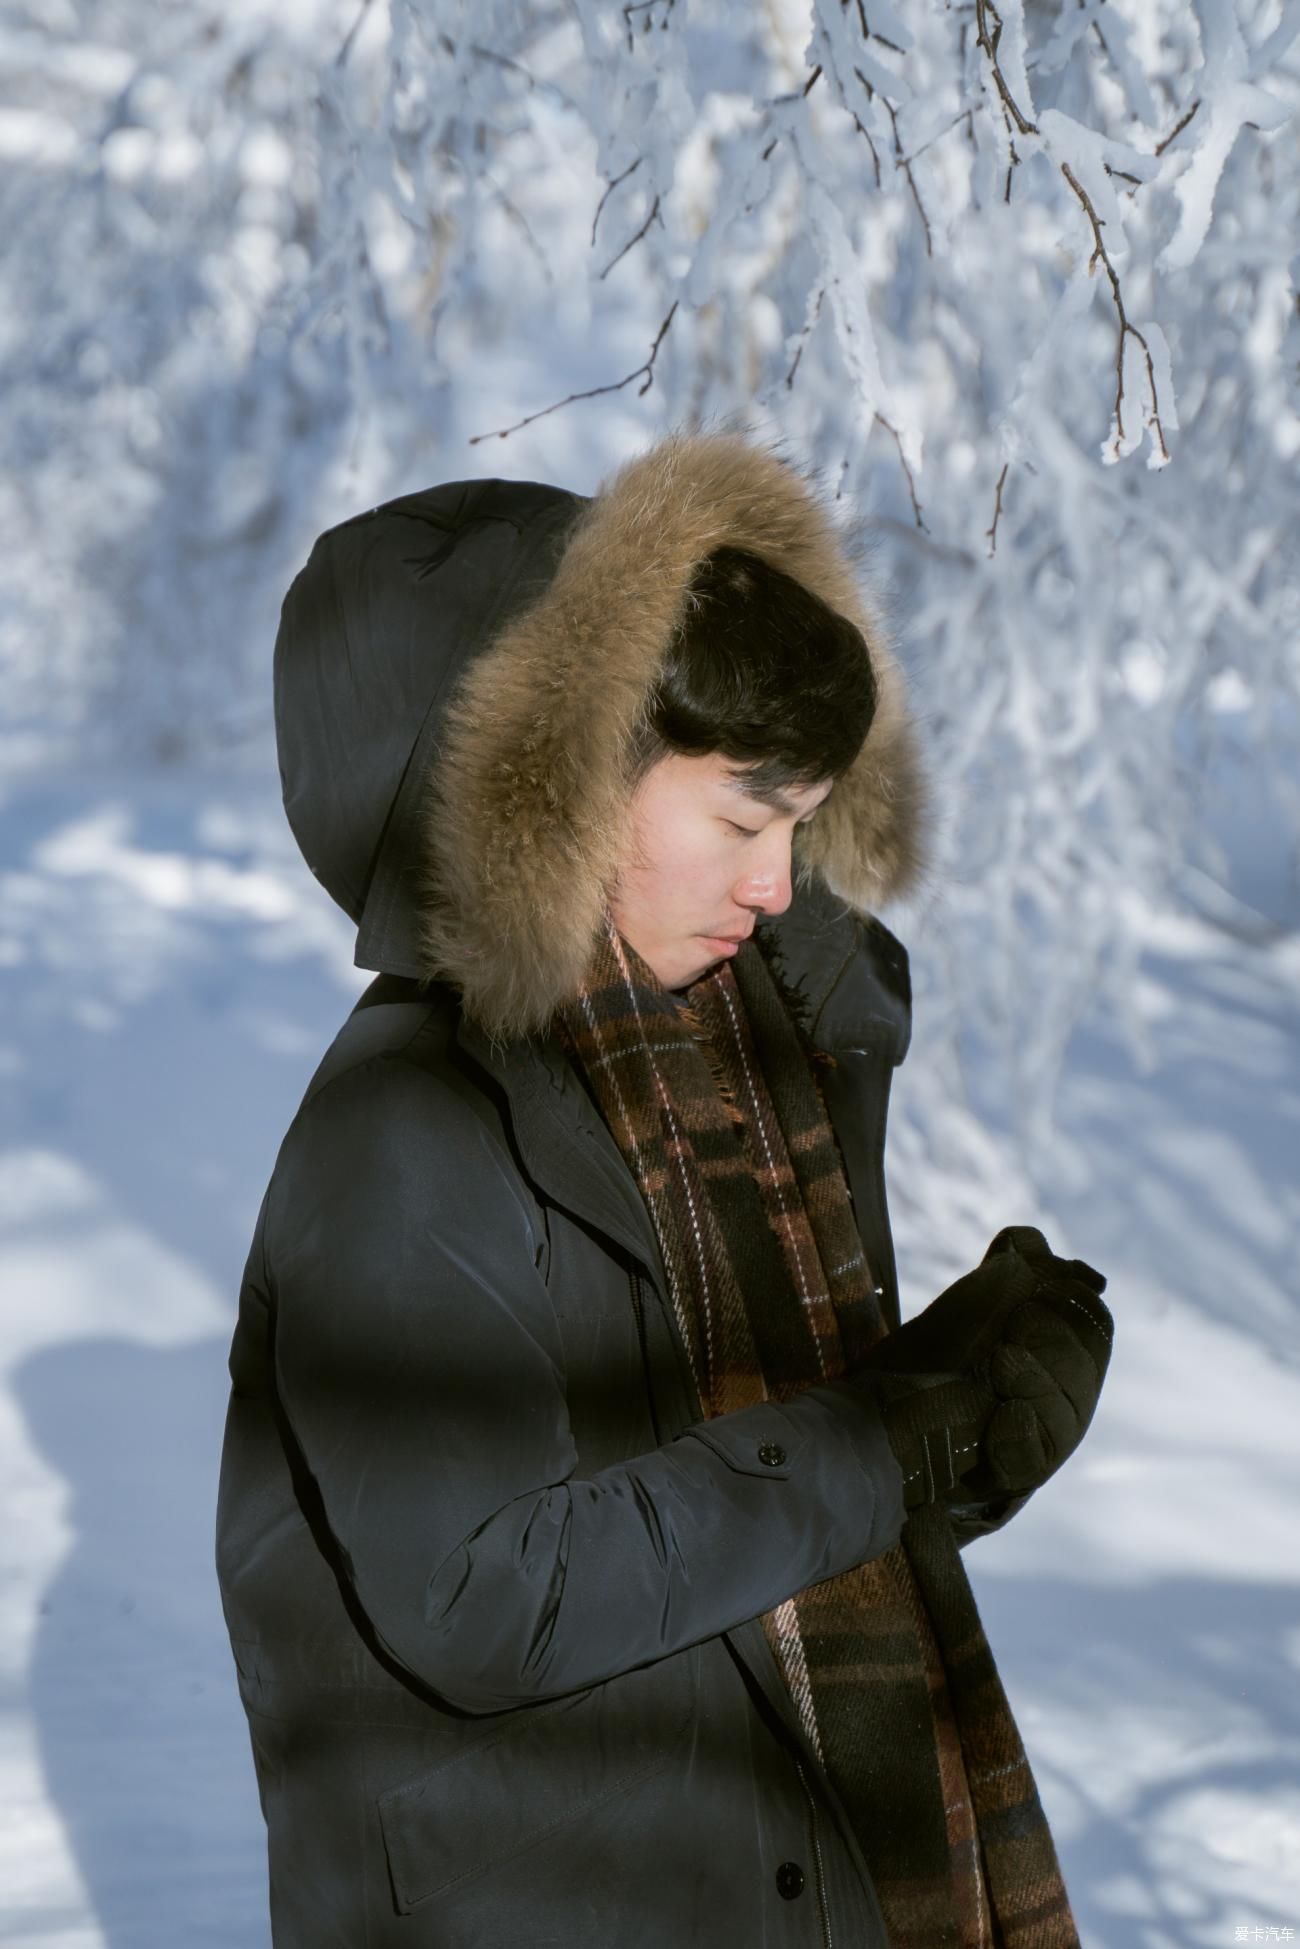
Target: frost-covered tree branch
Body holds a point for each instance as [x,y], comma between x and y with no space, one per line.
[967,262]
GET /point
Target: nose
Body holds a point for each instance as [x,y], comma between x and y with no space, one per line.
[768,889]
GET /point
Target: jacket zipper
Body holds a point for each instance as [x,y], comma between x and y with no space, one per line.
[638,1307]
[823,1905]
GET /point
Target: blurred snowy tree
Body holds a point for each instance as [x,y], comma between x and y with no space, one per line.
[975,263]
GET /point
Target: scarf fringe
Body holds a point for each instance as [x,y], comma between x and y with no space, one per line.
[692,1020]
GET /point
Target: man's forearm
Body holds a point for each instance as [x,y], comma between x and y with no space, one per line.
[587,1578]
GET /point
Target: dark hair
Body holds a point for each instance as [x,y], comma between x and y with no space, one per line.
[763,671]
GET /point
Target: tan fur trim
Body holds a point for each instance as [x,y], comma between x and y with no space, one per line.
[527,808]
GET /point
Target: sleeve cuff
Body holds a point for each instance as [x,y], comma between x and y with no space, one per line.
[857,1415]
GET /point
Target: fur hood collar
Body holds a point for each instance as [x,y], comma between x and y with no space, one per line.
[520,627]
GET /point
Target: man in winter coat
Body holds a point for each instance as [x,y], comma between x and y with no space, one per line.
[588,1524]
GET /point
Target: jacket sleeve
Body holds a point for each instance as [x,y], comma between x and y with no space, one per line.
[418,1368]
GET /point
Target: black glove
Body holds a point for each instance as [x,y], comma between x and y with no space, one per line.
[990,1388]
[965,1322]
[1047,1374]
[937,1430]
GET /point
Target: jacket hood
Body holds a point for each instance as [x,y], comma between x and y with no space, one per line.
[457,677]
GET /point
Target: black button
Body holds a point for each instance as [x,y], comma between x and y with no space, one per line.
[771,1454]
[789,1880]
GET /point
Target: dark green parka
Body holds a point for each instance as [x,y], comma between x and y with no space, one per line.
[492,1585]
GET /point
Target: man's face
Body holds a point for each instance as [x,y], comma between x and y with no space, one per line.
[705,859]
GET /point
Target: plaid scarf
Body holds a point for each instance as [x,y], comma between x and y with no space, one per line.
[716,1107]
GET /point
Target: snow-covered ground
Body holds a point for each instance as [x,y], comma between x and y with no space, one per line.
[171,974]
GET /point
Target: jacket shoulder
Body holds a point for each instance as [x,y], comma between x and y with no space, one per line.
[393,1018]
[891,979]
[390,1100]
[851,974]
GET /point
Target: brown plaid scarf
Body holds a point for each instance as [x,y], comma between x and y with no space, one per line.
[715,1105]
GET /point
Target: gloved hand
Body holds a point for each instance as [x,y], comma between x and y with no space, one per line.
[1047,1374]
[988,1390]
[965,1322]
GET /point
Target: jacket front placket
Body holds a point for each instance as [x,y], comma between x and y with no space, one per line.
[572,1156]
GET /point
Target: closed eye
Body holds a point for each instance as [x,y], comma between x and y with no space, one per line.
[750,832]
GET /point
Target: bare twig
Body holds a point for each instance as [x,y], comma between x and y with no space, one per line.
[901,162]
[516,215]
[654,211]
[902,460]
[989,42]
[875,159]
[992,532]
[1125,328]
[346,47]
[644,7]
[592,392]
[930,140]
[794,366]
[867,34]
[939,550]
[609,189]
[1177,128]
[507,61]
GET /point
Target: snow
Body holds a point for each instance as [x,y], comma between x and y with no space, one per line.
[1145,1607]
[172,974]
[1232,102]
[269,268]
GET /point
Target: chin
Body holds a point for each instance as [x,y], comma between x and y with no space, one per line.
[710,958]
[691,971]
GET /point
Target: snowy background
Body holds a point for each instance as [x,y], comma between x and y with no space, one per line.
[1021,285]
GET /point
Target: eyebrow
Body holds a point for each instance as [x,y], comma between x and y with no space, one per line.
[771,796]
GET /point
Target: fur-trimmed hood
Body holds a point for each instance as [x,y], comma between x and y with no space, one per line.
[457,676]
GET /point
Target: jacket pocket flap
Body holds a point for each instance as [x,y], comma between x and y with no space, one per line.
[545,1766]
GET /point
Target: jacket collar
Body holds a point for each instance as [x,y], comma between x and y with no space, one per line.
[852,977]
